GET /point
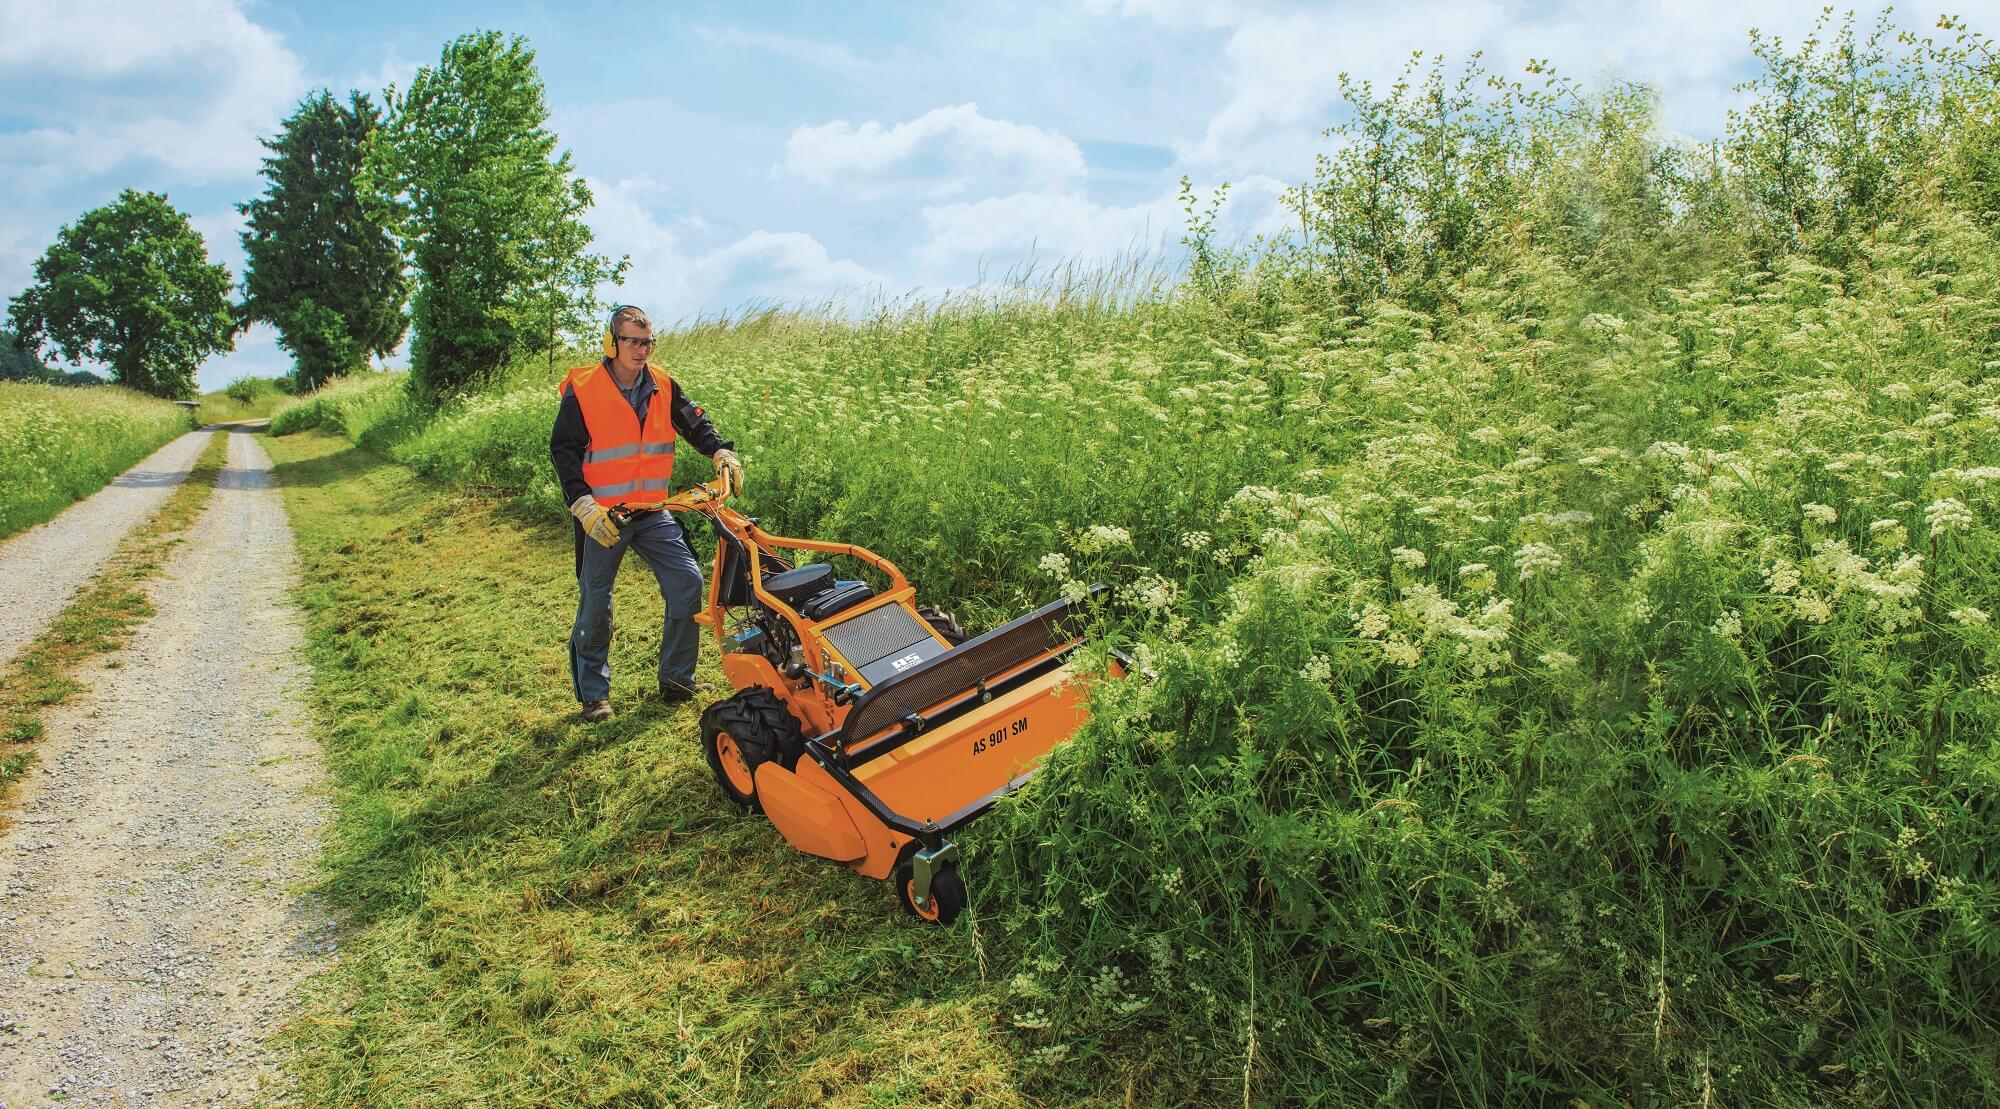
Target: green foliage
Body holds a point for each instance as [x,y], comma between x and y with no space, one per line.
[465,166]
[60,445]
[322,268]
[17,364]
[372,408]
[130,285]
[1561,583]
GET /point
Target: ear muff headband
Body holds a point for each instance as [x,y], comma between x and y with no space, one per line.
[610,337]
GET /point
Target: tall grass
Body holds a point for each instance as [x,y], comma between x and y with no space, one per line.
[1562,582]
[59,445]
[376,405]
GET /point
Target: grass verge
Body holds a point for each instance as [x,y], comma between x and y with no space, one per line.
[540,911]
[60,444]
[100,619]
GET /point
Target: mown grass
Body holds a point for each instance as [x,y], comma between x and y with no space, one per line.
[540,911]
[60,444]
[102,617]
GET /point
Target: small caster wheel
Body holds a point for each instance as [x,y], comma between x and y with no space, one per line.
[947,897]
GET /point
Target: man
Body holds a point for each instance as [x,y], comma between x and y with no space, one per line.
[613,447]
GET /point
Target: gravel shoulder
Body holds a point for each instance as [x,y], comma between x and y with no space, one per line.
[151,926]
[41,567]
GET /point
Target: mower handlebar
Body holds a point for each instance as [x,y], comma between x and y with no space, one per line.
[700,497]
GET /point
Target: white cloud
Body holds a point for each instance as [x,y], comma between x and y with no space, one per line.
[829,56]
[673,283]
[392,70]
[222,232]
[1177,13]
[1282,61]
[188,84]
[1071,227]
[257,354]
[961,146]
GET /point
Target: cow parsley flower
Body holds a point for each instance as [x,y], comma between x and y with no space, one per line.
[1947,515]
[1409,558]
[1558,662]
[1819,513]
[1102,537]
[1537,559]
[1782,577]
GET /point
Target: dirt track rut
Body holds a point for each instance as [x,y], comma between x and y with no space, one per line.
[151,924]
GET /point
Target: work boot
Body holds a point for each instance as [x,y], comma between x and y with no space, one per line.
[675,694]
[596,711]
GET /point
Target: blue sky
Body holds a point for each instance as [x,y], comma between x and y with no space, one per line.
[757,152]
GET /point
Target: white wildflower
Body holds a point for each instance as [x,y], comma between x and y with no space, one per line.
[1401,652]
[1055,565]
[1407,557]
[1318,670]
[1156,594]
[1729,625]
[1782,577]
[1537,559]
[1949,514]
[1558,662]
[1820,513]
[1969,616]
[1371,623]
[1196,541]
[1102,537]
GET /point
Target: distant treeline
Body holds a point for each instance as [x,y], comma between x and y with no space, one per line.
[17,364]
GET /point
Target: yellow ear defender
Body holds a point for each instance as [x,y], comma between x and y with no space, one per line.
[611,340]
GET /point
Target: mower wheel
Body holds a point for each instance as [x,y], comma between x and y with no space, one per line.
[947,892]
[944,623]
[743,733]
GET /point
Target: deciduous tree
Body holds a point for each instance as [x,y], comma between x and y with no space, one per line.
[130,285]
[467,168]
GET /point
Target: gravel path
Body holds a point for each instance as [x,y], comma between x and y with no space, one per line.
[150,924]
[42,566]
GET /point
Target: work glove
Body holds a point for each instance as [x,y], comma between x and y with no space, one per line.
[596,520]
[727,463]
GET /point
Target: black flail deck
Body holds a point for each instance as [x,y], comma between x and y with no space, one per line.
[960,669]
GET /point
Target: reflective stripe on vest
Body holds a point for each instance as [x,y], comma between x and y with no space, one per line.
[624,462]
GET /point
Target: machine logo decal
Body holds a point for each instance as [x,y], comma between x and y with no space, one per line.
[998,736]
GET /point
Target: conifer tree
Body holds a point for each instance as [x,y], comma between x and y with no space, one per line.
[322,269]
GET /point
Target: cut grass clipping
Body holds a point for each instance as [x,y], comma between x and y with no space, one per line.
[100,619]
[542,911]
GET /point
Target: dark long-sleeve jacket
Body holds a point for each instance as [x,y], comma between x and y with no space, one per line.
[571,437]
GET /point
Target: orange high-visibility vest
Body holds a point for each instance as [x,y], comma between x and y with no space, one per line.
[624,463]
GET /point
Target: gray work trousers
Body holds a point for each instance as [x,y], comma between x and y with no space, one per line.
[658,539]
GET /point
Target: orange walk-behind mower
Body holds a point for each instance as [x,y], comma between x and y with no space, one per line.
[866,728]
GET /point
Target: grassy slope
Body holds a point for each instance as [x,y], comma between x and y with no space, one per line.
[60,444]
[548,912]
